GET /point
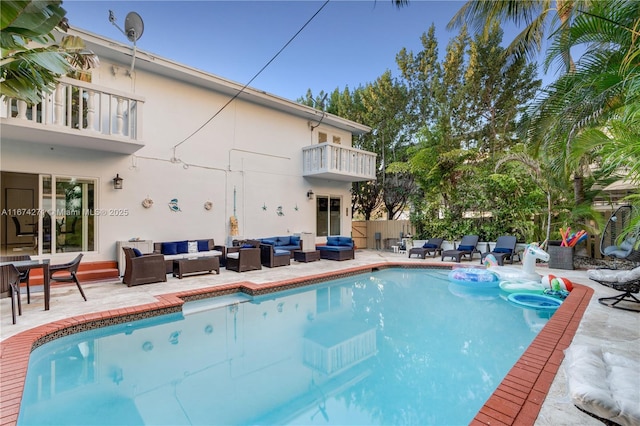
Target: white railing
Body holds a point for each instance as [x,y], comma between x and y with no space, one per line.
[329,158]
[83,107]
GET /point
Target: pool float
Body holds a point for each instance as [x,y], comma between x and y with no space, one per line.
[474,277]
[535,301]
[555,283]
[519,286]
[528,270]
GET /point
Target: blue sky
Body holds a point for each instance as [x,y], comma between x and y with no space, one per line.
[348,43]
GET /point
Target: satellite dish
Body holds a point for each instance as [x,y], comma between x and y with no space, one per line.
[133,26]
[133,29]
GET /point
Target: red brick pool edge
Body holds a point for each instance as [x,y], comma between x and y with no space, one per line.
[519,397]
[517,400]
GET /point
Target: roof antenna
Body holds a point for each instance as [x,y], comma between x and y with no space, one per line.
[133,29]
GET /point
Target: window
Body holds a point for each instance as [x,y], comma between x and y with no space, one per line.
[336,140]
[322,137]
[327,216]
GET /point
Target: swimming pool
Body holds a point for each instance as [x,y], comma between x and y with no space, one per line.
[389,358]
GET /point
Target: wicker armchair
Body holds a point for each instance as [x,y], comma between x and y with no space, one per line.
[271,256]
[145,269]
[245,257]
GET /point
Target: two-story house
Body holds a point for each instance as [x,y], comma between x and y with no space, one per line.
[162,151]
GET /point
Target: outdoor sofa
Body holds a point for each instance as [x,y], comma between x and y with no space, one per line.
[337,248]
[290,243]
[186,249]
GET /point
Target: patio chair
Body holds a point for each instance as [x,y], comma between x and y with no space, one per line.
[271,256]
[432,247]
[628,282]
[467,247]
[504,250]
[69,272]
[245,257]
[143,268]
[24,276]
[10,281]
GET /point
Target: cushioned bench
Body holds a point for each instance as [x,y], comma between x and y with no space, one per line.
[337,248]
[187,249]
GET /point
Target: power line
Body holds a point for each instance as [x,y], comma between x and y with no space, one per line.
[252,78]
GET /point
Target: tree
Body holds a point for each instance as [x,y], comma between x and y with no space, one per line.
[591,115]
[26,72]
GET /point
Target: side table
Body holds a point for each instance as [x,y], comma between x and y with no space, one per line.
[306,256]
[198,264]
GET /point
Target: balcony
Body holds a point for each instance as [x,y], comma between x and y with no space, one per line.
[78,115]
[337,162]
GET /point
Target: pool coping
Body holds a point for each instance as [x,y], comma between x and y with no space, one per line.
[517,399]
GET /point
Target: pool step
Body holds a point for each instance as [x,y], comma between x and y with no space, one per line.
[87,271]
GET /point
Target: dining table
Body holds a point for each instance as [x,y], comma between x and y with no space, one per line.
[27,265]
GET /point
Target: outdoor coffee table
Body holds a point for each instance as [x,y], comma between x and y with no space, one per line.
[197,264]
[306,256]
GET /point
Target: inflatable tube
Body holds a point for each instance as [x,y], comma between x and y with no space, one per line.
[474,277]
[535,301]
[555,283]
[517,286]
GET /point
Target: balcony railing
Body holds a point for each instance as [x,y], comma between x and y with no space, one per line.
[77,114]
[337,162]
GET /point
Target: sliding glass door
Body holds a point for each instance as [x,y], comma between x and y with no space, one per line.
[327,216]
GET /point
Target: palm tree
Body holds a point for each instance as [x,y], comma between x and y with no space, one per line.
[538,16]
[27,71]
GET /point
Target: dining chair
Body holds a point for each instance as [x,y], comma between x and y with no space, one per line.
[10,280]
[24,276]
[67,272]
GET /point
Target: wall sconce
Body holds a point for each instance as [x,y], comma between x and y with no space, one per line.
[117,182]
[310,194]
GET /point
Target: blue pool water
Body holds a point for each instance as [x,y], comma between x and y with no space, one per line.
[397,346]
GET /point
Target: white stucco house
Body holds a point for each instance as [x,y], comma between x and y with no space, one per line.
[187,162]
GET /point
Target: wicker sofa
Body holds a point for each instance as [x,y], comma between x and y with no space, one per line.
[337,248]
[290,243]
[186,249]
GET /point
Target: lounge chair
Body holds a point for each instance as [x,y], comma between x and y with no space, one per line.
[245,257]
[504,250]
[628,282]
[143,268]
[467,247]
[432,247]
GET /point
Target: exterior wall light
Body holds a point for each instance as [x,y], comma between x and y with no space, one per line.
[117,182]
[310,194]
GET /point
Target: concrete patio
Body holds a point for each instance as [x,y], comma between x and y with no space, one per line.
[617,330]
